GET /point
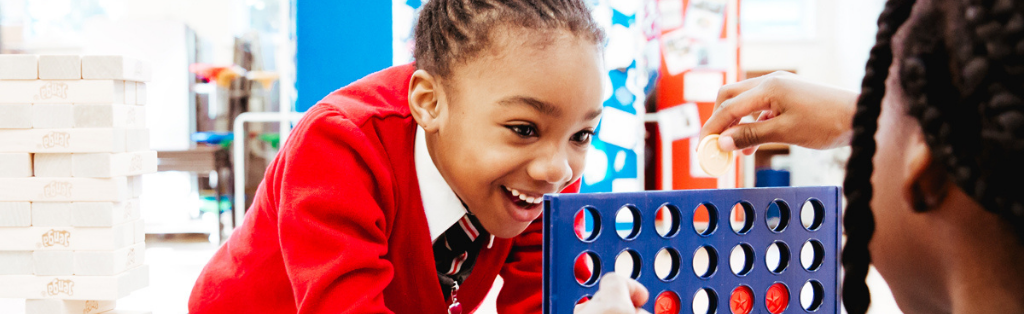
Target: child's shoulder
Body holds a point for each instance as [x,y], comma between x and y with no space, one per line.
[379,95]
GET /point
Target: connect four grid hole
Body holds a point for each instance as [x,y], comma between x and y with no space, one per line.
[776,299]
[777,257]
[811,255]
[627,263]
[777,215]
[627,222]
[666,264]
[587,268]
[742,300]
[705,301]
[587,224]
[812,295]
[705,219]
[666,221]
[667,302]
[741,260]
[742,217]
[812,214]
[705,261]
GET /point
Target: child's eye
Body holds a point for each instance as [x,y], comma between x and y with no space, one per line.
[582,137]
[523,130]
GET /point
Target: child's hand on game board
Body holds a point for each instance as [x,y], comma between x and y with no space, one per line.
[791,111]
[616,295]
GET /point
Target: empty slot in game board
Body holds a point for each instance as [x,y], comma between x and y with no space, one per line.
[812,213]
[587,268]
[627,222]
[742,217]
[705,218]
[777,215]
[666,264]
[812,295]
[666,221]
[777,257]
[812,254]
[741,260]
[705,301]
[705,261]
[587,224]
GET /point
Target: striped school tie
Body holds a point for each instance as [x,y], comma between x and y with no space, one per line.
[455,252]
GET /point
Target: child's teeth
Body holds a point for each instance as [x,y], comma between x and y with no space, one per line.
[529,199]
[515,192]
[522,196]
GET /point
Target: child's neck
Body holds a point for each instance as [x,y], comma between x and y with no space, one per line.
[986,269]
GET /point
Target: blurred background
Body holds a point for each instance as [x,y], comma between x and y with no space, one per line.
[230,78]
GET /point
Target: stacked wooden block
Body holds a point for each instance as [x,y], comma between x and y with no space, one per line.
[73,144]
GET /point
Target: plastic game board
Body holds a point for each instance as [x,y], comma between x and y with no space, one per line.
[764,250]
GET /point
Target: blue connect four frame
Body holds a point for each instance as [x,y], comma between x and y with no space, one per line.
[562,246]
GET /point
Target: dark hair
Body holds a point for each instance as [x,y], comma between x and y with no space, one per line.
[452,32]
[965,92]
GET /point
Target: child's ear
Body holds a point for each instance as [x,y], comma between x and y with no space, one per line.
[927,183]
[424,99]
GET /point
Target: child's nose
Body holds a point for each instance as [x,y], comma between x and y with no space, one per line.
[552,169]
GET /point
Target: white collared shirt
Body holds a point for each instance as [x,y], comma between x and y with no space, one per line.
[442,207]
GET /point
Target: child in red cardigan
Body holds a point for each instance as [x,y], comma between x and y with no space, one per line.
[497,111]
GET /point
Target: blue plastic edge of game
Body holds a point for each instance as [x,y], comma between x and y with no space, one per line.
[561,293]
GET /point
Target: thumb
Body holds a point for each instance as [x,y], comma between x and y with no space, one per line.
[749,134]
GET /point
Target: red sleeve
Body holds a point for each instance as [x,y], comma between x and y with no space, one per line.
[331,223]
[522,273]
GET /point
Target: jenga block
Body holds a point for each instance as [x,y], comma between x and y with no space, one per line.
[63,140]
[18,67]
[51,214]
[130,92]
[15,214]
[74,287]
[108,263]
[54,263]
[16,263]
[115,68]
[107,165]
[57,306]
[63,189]
[15,116]
[140,231]
[60,67]
[104,214]
[62,92]
[52,165]
[136,140]
[67,238]
[135,186]
[15,165]
[52,116]
[109,116]
[141,95]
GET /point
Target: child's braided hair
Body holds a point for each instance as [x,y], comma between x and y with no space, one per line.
[964,87]
[452,32]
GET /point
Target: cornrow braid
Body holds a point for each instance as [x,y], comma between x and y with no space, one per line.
[859,223]
[452,32]
[970,110]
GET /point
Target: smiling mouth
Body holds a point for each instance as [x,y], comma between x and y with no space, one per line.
[521,199]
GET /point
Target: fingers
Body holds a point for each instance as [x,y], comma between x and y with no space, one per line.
[748,135]
[734,109]
[637,293]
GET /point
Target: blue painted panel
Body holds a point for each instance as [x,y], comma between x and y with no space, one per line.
[339,42]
